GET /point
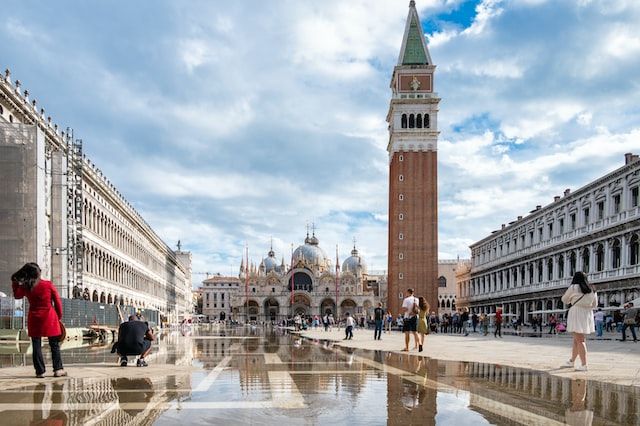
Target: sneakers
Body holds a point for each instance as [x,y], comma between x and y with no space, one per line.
[568,364]
[40,376]
[123,362]
[581,368]
[141,363]
[59,373]
[420,348]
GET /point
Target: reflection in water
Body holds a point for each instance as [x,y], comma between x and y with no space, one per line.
[272,377]
[578,414]
[410,402]
[137,395]
[45,396]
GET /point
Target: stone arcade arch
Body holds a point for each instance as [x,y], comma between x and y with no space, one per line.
[271,309]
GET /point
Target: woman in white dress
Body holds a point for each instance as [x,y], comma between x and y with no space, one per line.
[583,299]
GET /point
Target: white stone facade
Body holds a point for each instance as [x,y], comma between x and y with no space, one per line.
[217,294]
[89,240]
[527,265]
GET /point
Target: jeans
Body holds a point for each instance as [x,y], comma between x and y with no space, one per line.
[599,327]
[633,332]
[348,332]
[378,330]
[38,359]
[498,330]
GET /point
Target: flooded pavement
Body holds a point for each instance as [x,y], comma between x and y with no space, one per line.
[255,376]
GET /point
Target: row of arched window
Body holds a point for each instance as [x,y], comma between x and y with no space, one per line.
[592,260]
[109,268]
[112,232]
[108,298]
[415,121]
[448,303]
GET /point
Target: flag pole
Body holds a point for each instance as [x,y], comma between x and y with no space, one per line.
[246,288]
[337,279]
[292,289]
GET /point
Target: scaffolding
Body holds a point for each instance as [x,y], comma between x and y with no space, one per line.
[17,198]
[75,246]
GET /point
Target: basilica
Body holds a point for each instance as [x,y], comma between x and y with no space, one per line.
[310,285]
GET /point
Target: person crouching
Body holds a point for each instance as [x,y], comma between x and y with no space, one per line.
[134,338]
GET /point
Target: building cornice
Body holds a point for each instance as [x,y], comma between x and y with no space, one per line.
[531,218]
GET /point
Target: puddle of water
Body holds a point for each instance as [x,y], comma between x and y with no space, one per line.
[270,377]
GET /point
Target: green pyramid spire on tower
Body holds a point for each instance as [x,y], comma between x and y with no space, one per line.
[414,52]
[414,47]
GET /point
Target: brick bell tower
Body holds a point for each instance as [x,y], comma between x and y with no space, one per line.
[413,171]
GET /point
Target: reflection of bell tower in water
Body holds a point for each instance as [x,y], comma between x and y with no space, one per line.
[413,168]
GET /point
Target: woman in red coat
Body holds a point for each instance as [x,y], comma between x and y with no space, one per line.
[45,312]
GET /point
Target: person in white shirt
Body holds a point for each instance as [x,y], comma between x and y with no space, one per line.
[410,324]
[599,317]
[349,329]
[583,300]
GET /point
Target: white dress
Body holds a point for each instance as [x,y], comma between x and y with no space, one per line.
[580,316]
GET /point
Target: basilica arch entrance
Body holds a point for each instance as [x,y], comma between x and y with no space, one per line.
[251,310]
[348,305]
[301,305]
[328,306]
[271,309]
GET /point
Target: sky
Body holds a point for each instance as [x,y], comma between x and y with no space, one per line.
[232,123]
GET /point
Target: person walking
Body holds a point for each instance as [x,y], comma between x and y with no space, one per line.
[474,321]
[410,324]
[552,324]
[350,323]
[498,331]
[464,321]
[599,318]
[388,322]
[45,313]
[629,321]
[422,327]
[484,324]
[378,317]
[582,299]
[433,322]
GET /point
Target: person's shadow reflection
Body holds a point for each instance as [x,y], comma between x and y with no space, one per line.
[45,396]
[133,394]
[578,414]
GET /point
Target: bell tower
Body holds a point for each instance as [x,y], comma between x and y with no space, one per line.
[413,171]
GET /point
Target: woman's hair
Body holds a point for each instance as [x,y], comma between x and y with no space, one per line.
[580,278]
[28,275]
[422,303]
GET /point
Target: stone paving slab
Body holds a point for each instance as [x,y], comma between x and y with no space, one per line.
[17,377]
[608,360]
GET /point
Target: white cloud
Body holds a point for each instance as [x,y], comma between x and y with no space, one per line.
[235,126]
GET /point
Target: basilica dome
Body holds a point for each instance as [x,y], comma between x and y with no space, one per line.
[270,263]
[311,253]
[354,263]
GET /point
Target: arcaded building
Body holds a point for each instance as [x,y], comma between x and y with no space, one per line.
[59,210]
[310,285]
[527,265]
[413,170]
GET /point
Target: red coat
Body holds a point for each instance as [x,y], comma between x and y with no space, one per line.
[45,308]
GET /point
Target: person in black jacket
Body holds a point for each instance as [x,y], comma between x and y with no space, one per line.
[378,316]
[134,338]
